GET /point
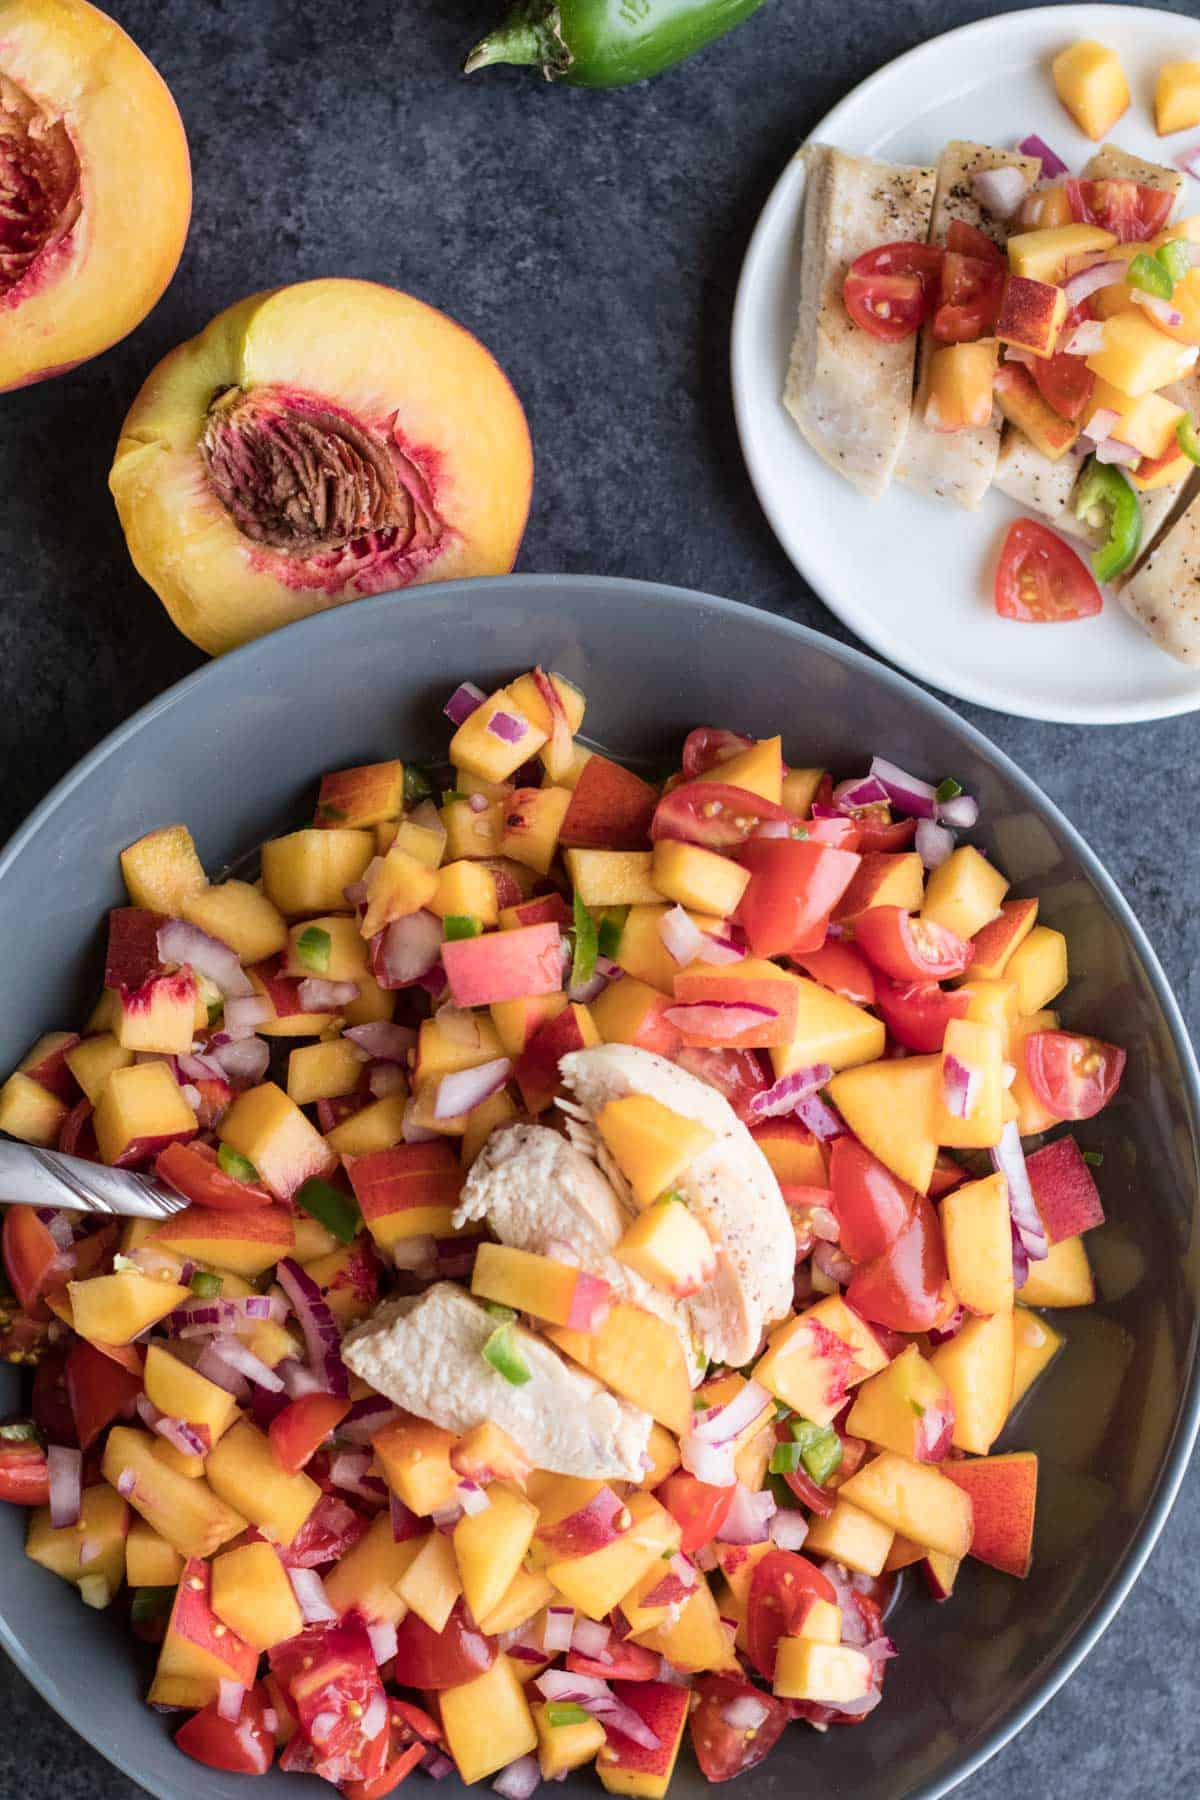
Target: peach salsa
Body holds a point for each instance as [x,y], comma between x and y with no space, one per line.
[617,1224]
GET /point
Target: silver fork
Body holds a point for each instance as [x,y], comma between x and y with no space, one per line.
[33,1177]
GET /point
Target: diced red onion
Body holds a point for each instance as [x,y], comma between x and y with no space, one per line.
[126,1482]
[671,1675]
[788,1528]
[58,1225]
[559,1629]
[1101,425]
[463,702]
[1052,164]
[417,1252]
[471,1498]
[590,1638]
[477,802]
[745,1712]
[318,996]
[177,1432]
[242,1013]
[385,1079]
[880,1650]
[584,992]
[519,1780]
[192,1095]
[1086,339]
[1001,191]
[445,1518]
[1009,1158]
[906,792]
[311,1597]
[467,1088]
[413,1132]
[1114,450]
[710,1463]
[1085,282]
[772,828]
[298,1379]
[405,1523]
[366,1417]
[437,1765]
[1189,161]
[64,1467]
[235,1353]
[962,812]
[823,1224]
[724,1019]
[509,727]
[933,843]
[406,950]
[204,1317]
[1016,353]
[725,1423]
[682,937]
[860,790]
[706,1558]
[383,1041]
[719,950]
[597,1697]
[833,1263]
[1020,1257]
[179,942]
[246,1061]
[213,1366]
[823,1120]
[748,1519]
[941,1334]
[320,1328]
[960,1086]
[785,1095]
[382,1635]
[193,1067]
[230,1697]
[1160,310]
[376,1717]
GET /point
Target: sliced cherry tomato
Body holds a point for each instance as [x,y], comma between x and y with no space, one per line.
[738,1074]
[782,1589]
[698,1508]
[329,1675]
[711,813]
[99,1390]
[709,745]
[841,833]
[1065,383]
[794,886]
[917,1013]
[331,1528]
[908,948]
[193,1171]
[32,1258]
[1040,580]
[810,1493]
[724,1750]
[407,1748]
[968,240]
[441,1659]
[243,1746]
[903,1288]
[77,1134]
[300,1429]
[969,297]
[24,1480]
[872,1206]
[877,830]
[889,291]
[1129,209]
[1073,1076]
[622,1661]
[842,969]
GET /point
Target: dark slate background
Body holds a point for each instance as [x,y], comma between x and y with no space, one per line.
[593,241]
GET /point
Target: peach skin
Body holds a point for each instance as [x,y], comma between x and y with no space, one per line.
[314,444]
[98,190]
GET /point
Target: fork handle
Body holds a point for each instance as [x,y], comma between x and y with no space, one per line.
[30,1176]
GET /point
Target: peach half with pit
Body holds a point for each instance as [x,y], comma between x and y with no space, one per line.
[96,182]
[314,444]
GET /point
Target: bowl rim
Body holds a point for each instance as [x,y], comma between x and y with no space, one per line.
[543,589]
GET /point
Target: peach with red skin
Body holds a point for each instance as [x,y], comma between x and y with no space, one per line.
[504,965]
[588,1527]
[194,1626]
[611,808]
[367,795]
[246,1242]
[1022,404]
[1031,314]
[46,1064]
[97,158]
[1003,1491]
[995,942]
[628,1768]
[536,1073]
[1064,1190]
[430,440]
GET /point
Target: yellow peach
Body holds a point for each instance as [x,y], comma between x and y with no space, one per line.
[93,149]
[314,444]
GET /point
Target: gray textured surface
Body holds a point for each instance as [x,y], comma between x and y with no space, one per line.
[593,241]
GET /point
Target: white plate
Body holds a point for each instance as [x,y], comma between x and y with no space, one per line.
[912,575]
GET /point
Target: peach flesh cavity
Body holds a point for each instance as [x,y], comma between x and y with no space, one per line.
[303,479]
[39,187]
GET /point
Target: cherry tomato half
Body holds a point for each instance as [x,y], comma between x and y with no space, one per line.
[968,240]
[243,1746]
[698,1508]
[441,1659]
[782,1589]
[1129,209]
[908,948]
[709,745]
[1074,1077]
[711,813]
[794,886]
[1065,383]
[842,969]
[738,1074]
[24,1479]
[872,1206]
[917,1013]
[723,1750]
[969,297]
[99,1390]
[889,291]
[193,1171]
[301,1428]
[32,1258]
[903,1288]
[877,830]
[1040,580]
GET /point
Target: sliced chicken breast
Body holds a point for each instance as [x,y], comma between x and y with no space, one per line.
[1035,480]
[1111,164]
[729,1187]
[426,1354]
[539,1192]
[958,465]
[849,392]
[1163,595]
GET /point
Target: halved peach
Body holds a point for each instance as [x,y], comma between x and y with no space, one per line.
[97,184]
[316,443]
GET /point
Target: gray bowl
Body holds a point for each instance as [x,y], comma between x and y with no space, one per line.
[234,751]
